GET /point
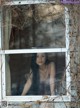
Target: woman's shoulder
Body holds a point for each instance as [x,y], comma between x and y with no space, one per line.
[51,64]
[51,67]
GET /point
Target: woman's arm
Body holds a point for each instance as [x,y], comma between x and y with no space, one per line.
[52,78]
[27,85]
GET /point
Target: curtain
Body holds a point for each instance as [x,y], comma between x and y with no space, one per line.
[6,37]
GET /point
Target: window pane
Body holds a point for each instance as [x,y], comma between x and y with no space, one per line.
[38,72]
[30,26]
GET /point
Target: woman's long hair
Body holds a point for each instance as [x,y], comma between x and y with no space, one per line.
[36,76]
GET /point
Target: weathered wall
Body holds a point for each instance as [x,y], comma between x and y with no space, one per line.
[75,53]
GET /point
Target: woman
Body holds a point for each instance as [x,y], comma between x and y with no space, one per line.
[41,80]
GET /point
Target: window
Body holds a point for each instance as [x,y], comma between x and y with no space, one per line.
[30,28]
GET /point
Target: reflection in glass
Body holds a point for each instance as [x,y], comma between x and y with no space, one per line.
[19,66]
[30,26]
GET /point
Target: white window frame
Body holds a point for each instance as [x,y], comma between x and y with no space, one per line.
[56,98]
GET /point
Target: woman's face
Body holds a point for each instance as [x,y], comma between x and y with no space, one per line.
[40,59]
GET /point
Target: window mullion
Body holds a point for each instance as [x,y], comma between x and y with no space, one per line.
[0,57]
[44,50]
[68,78]
[3,77]
[67,28]
[0,26]
[19,2]
[0,76]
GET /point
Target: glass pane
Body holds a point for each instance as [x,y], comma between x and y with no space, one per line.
[29,26]
[35,74]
